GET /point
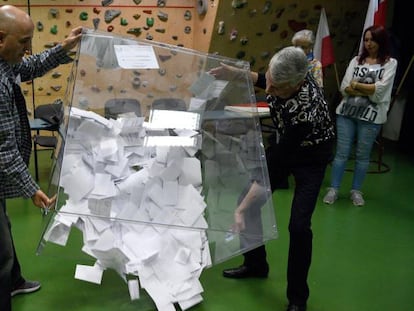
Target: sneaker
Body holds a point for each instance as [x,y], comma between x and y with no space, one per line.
[26,288]
[331,196]
[356,197]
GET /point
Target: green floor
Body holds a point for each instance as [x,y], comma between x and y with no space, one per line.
[363,257]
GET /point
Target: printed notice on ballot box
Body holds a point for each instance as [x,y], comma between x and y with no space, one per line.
[136,57]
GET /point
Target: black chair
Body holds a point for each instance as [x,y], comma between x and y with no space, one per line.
[47,117]
[116,106]
[169,104]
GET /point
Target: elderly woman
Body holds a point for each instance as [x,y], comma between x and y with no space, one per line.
[305,40]
[300,112]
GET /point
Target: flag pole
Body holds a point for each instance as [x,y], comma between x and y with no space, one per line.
[336,75]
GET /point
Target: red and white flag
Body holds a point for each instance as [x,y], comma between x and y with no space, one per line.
[376,15]
[323,48]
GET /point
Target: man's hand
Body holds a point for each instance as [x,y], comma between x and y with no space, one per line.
[41,200]
[72,40]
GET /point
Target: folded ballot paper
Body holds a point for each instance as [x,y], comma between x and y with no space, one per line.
[135,193]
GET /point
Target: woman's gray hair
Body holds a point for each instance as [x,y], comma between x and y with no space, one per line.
[305,35]
[289,65]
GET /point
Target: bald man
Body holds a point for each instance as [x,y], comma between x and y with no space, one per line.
[16,33]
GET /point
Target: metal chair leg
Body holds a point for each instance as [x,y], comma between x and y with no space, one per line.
[36,164]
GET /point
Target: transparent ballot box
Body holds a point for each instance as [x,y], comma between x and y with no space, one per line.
[151,164]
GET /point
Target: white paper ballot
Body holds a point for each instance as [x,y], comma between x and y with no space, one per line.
[201,84]
[80,113]
[173,119]
[100,207]
[58,233]
[197,104]
[133,287]
[104,186]
[79,183]
[191,172]
[214,89]
[133,181]
[186,304]
[182,255]
[89,274]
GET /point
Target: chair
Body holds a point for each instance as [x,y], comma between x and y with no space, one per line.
[381,166]
[47,117]
[169,104]
[117,106]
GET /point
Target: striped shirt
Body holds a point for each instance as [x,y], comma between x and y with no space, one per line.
[15,137]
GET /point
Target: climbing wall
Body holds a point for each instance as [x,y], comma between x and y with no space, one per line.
[255,30]
[176,22]
[252,30]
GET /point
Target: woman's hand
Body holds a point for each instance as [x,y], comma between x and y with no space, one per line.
[227,72]
[351,89]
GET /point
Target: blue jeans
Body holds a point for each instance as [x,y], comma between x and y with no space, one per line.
[349,130]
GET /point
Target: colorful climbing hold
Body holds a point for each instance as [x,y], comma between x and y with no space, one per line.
[106,2]
[110,15]
[187,15]
[162,16]
[233,34]
[54,12]
[244,40]
[273,27]
[267,6]
[134,31]
[54,29]
[124,21]
[150,21]
[39,26]
[220,29]
[164,58]
[161,3]
[96,22]
[241,54]
[56,75]
[83,16]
